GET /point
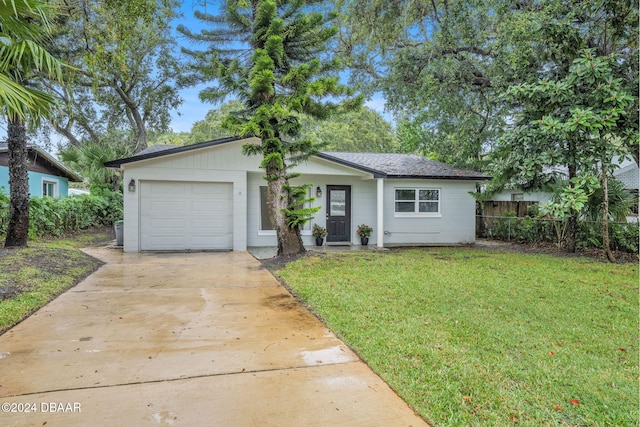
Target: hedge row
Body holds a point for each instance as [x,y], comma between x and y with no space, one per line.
[49,216]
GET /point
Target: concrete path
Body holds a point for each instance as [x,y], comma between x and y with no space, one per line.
[199,339]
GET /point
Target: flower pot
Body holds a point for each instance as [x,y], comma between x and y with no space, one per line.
[364,241]
[319,241]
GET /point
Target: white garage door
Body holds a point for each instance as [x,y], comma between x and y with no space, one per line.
[185,216]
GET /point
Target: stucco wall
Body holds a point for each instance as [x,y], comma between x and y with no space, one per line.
[35,183]
[455,225]
[220,164]
[363,206]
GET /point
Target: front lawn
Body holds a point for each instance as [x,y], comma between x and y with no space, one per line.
[31,277]
[476,337]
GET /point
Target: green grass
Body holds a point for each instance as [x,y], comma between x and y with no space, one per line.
[470,337]
[33,276]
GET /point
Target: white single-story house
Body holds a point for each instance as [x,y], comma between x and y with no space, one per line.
[209,196]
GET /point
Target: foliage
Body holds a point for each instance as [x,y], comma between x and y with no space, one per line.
[364,230]
[24,25]
[125,69]
[359,131]
[620,202]
[533,230]
[89,158]
[212,126]
[296,214]
[563,122]
[319,231]
[4,211]
[444,67]
[623,236]
[55,217]
[571,121]
[272,56]
[472,337]
[529,229]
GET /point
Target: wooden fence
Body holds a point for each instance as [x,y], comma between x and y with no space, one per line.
[492,208]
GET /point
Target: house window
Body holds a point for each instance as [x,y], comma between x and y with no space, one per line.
[49,188]
[417,202]
[266,221]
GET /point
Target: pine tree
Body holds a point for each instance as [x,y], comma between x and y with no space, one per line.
[272,55]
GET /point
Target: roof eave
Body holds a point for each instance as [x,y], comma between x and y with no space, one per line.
[117,164]
[69,174]
[446,177]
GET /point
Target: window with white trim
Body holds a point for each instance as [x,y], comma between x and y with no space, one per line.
[49,188]
[417,202]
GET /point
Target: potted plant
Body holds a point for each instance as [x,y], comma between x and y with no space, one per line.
[364,231]
[319,233]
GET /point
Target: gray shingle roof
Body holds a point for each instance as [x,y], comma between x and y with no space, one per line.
[402,166]
[379,165]
[155,149]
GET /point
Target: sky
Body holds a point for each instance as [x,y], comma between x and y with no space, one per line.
[192,109]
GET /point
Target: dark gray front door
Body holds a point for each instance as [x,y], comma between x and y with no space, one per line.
[338,213]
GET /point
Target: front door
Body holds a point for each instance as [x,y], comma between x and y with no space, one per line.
[338,213]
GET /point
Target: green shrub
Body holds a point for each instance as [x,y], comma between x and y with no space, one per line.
[622,236]
[54,217]
[4,211]
[522,230]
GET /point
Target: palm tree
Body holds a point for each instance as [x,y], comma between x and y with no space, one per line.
[23,26]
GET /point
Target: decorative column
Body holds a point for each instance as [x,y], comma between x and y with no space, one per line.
[380,215]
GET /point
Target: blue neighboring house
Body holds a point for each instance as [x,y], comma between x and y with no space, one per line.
[47,176]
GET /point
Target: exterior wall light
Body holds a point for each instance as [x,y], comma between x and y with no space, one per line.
[132,185]
[318,192]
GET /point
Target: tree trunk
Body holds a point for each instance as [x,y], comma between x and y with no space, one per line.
[289,240]
[572,221]
[605,213]
[18,228]
[136,120]
[572,230]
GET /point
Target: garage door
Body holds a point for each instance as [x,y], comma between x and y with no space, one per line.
[185,216]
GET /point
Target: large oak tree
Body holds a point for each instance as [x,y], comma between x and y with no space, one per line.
[444,66]
[125,70]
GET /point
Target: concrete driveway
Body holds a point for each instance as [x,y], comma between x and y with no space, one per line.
[198,339]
